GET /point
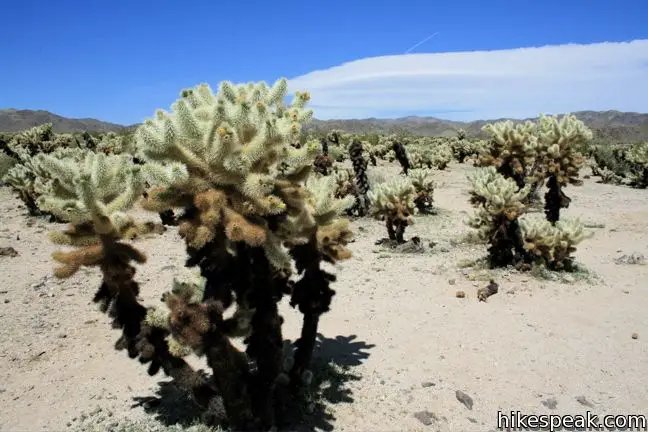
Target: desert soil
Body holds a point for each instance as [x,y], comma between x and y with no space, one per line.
[551,344]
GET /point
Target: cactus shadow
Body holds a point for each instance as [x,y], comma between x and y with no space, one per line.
[333,362]
[307,410]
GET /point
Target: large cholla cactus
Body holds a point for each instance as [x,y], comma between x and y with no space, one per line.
[499,204]
[393,201]
[424,186]
[249,220]
[560,158]
[552,245]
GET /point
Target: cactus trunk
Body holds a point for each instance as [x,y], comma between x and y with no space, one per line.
[555,199]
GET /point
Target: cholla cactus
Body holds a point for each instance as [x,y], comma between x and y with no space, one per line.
[393,201]
[111,143]
[249,221]
[424,186]
[499,204]
[93,196]
[552,245]
[512,150]
[332,231]
[559,156]
[637,158]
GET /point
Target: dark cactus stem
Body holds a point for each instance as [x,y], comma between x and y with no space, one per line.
[401,155]
[372,159]
[324,144]
[168,218]
[361,180]
[4,147]
[507,170]
[334,138]
[396,230]
[117,296]
[312,295]
[555,199]
[506,246]
[265,344]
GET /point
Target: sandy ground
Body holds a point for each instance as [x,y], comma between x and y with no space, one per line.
[561,346]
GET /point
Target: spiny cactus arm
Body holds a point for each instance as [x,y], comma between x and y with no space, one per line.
[553,244]
[101,187]
[333,233]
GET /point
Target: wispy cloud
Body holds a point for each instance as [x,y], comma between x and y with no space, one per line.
[521,82]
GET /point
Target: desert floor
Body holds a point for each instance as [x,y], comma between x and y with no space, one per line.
[402,343]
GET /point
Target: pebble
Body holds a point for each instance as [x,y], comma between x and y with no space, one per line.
[464,399]
[425,417]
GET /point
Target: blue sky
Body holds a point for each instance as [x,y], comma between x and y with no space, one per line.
[120,60]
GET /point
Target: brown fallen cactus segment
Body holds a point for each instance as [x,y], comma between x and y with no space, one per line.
[251,211]
[484,293]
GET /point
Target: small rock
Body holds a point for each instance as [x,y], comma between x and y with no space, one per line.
[8,252]
[451,281]
[635,336]
[426,384]
[581,400]
[425,417]
[6,301]
[460,294]
[635,258]
[464,399]
[550,403]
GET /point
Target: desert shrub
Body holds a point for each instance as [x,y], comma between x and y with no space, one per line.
[249,220]
[393,202]
[515,238]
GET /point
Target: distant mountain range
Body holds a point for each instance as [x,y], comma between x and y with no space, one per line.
[610,125]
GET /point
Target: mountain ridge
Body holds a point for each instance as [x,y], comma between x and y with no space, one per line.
[611,124]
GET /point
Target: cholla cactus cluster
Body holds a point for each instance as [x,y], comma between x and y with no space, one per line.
[431,152]
[531,152]
[254,222]
[394,202]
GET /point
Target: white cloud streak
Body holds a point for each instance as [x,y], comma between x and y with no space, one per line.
[518,83]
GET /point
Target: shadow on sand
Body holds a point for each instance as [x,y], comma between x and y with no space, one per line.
[332,367]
